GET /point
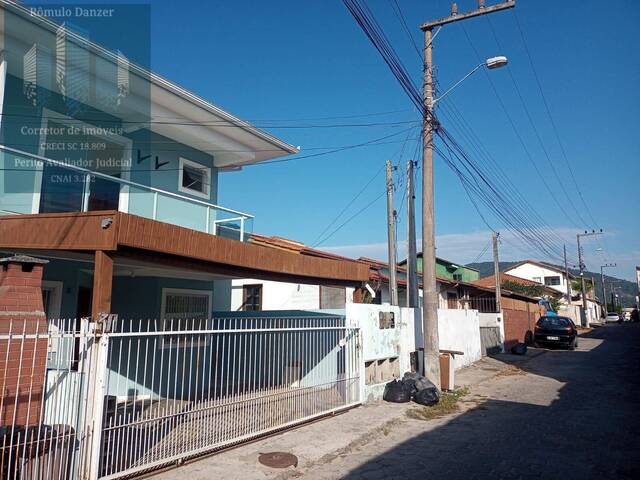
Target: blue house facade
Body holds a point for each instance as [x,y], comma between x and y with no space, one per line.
[111,173]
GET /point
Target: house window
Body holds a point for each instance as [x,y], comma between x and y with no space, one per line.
[194,178]
[537,279]
[252,298]
[184,310]
[457,277]
[333,297]
[550,281]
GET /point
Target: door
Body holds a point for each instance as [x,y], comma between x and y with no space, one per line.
[65,189]
[106,157]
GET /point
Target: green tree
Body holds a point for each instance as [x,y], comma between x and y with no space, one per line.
[577,285]
[528,290]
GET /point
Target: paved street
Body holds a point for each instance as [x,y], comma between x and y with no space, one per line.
[551,414]
[564,415]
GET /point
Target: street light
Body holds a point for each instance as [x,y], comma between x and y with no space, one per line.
[496,62]
[491,63]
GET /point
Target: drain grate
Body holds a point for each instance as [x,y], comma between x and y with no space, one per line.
[278,459]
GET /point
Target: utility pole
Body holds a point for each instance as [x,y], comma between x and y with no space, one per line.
[496,272]
[566,274]
[391,234]
[429,286]
[604,287]
[412,275]
[582,266]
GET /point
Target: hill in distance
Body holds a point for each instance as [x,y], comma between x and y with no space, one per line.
[626,290]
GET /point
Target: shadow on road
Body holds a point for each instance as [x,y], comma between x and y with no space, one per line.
[591,430]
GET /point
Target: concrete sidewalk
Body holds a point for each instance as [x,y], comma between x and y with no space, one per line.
[322,441]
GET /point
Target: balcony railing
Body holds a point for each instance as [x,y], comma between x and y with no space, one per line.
[35,184]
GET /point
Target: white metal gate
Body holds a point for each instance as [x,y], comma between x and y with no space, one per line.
[179,388]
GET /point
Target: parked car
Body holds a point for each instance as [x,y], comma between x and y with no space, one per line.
[612,317]
[555,330]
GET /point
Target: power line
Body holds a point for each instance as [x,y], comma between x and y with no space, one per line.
[37,123]
[350,147]
[288,159]
[536,131]
[482,252]
[555,129]
[395,6]
[469,173]
[367,22]
[368,205]
[398,156]
[519,136]
[534,218]
[551,119]
[482,186]
[346,207]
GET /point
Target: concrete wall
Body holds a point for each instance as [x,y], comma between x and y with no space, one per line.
[382,344]
[460,330]
[571,311]
[493,320]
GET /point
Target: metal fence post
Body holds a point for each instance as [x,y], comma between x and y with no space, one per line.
[95,405]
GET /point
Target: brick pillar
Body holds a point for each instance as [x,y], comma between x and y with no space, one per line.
[22,360]
[358,295]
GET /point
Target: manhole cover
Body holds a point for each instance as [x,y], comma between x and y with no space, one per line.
[278,459]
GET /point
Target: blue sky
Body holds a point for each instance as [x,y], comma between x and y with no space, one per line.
[293,63]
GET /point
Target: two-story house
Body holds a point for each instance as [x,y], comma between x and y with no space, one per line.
[555,278]
[546,274]
[111,173]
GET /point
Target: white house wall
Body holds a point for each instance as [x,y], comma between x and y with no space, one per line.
[531,271]
[460,330]
[281,295]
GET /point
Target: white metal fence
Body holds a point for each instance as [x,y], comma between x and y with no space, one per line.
[156,392]
[44,368]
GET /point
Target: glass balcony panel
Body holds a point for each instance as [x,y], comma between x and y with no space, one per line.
[65,188]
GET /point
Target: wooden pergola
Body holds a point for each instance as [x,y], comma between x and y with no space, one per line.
[108,235]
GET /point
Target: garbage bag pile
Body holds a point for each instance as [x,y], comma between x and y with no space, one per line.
[412,387]
[519,349]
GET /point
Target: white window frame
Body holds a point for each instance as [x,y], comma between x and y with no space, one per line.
[207,183]
[183,291]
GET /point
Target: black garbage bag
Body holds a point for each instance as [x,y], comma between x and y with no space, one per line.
[519,349]
[417,381]
[427,396]
[397,391]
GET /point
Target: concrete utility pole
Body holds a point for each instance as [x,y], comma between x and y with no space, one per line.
[581,265]
[604,287]
[412,265]
[496,272]
[566,274]
[429,287]
[391,234]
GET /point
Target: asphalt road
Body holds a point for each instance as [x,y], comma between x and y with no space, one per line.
[559,414]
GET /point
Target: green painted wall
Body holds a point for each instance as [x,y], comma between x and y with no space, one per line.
[444,269]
